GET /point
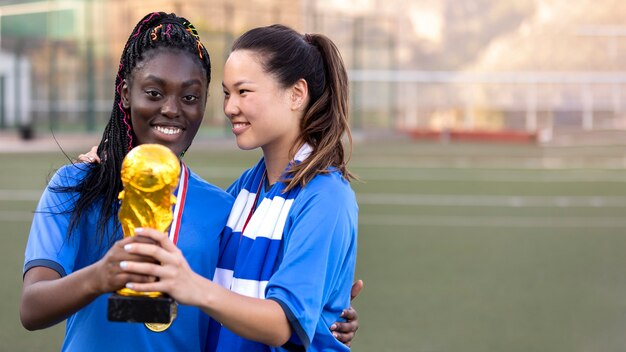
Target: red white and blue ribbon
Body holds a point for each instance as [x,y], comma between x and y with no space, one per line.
[180,203]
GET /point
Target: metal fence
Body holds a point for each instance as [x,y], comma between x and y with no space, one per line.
[62,57]
[531,102]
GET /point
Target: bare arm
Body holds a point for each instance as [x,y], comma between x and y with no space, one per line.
[252,318]
[47,298]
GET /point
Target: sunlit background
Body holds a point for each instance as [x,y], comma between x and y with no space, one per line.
[489,137]
[533,67]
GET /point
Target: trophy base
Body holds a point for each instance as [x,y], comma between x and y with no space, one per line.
[137,309]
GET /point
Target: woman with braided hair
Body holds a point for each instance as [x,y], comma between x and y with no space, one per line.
[75,243]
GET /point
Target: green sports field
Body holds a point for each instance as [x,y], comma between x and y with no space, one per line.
[462,247]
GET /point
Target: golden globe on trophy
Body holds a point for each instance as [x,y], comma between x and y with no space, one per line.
[150,174]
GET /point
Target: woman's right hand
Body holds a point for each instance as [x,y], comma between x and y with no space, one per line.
[110,276]
[90,157]
[72,292]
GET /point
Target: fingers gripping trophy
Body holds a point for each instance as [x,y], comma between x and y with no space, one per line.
[150,174]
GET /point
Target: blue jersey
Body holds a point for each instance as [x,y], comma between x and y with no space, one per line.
[315,265]
[204,215]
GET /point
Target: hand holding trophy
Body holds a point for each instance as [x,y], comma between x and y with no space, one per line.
[150,174]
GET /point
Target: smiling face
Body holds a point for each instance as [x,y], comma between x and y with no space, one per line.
[166,97]
[262,113]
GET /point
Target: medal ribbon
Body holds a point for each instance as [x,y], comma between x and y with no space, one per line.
[180,203]
[181,195]
[256,200]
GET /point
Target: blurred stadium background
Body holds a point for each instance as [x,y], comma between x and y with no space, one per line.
[489,135]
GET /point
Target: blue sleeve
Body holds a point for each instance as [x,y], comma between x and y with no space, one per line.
[313,281]
[47,242]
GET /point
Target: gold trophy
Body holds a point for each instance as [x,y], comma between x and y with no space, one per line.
[150,174]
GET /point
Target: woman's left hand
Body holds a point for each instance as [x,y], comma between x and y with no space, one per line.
[345,331]
[90,157]
[175,277]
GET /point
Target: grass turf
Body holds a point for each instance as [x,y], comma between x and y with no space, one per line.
[462,247]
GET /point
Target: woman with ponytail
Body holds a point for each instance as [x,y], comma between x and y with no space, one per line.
[288,251]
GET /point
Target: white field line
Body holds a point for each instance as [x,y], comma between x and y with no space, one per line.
[487,176]
[492,221]
[490,201]
[435,200]
[16,216]
[495,162]
[19,195]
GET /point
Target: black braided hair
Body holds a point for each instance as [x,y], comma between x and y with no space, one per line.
[155,32]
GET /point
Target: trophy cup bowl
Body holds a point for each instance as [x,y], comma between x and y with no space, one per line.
[150,174]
